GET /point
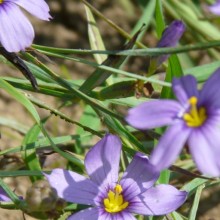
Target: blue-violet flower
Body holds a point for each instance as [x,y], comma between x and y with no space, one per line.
[215,8]
[194,120]
[3,196]
[170,38]
[112,198]
[16,32]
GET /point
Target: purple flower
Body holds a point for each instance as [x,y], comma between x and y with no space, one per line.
[3,196]
[16,31]
[170,38]
[215,8]
[194,119]
[112,198]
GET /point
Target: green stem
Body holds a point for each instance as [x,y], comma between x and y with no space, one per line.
[134,52]
[61,115]
[112,24]
[68,86]
[108,68]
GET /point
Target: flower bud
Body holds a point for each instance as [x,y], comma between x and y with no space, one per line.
[172,34]
[170,38]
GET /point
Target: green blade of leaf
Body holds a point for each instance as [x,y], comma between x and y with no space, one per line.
[16,173]
[145,18]
[12,123]
[203,72]
[64,83]
[18,202]
[115,126]
[192,186]
[29,106]
[193,211]
[111,69]
[160,24]
[174,70]
[185,12]
[19,64]
[99,76]
[29,156]
[117,90]
[90,119]
[177,216]
[20,98]
[95,38]
[130,52]
[44,143]
[109,22]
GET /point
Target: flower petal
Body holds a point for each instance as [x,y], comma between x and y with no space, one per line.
[170,146]
[3,196]
[170,38]
[16,31]
[123,216]
[215,8]
[172,34]
[102,161]
[158,200]
[210,93]
[153,114]
[139,176]
[204,147]
[184,88]
[100,214]
[90,213]
[38,8]
[73,187]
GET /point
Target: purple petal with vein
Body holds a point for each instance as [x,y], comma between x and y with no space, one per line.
[170,145]
[102,161]
[38,8]
[153,114]
[3,196]
[215,8]
[98,214]
[210,92]
[184,88]
[123,216]
[90,213]
[158,200]
[16,31]
[73,187]
[139,176]
[204,147]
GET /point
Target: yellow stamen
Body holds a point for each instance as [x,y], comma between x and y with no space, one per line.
[1,1]
[115,201]
[118,189]
[195,117]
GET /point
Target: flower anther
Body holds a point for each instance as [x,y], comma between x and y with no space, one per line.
[196,116]
[115,201]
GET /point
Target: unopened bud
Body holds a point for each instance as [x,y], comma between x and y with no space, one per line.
[169,38]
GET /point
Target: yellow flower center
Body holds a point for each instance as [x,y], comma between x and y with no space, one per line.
[195,117]
[1,1]
[115,201]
